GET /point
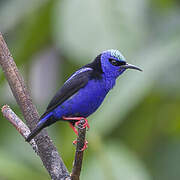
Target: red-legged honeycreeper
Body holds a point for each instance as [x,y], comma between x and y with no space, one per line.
[84,91]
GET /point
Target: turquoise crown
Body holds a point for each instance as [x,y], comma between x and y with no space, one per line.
[117,54]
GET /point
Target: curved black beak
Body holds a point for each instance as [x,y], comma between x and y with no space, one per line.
[130,66]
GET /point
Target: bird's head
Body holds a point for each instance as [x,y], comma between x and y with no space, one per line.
[113,63]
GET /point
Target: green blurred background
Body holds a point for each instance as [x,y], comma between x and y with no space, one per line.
[135,133]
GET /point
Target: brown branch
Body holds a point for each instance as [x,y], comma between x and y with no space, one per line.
[47,151]
[76,170]
[18,124]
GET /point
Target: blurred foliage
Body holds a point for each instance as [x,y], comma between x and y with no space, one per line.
[135,134]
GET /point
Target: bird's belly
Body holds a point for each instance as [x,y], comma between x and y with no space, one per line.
[84,102]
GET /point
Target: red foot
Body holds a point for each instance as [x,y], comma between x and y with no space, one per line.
[78,120]
[85,124]
[85,144]
[75,130]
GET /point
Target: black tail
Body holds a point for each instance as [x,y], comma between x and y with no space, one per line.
[44,122]
[35,132]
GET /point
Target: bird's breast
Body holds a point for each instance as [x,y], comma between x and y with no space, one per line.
[92,95]
[86,100]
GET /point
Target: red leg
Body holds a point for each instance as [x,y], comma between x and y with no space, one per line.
[75,130]
[78,120]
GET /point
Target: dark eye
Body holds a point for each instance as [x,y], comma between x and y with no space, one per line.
[116,63]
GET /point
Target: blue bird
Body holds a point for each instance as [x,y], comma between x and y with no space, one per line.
[84,91]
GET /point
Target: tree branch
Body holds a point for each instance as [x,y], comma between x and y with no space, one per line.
[18,124]
[76,170]
[47,151]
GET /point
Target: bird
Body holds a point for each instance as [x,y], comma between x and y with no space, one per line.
[84,91]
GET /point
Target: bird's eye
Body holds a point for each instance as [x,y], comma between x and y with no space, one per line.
[116,63]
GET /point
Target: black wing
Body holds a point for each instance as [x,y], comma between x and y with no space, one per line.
[77,81]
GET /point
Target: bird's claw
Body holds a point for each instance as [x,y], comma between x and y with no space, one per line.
[78,119]
[85,144]
[75,142]
[77,124]
[84,125]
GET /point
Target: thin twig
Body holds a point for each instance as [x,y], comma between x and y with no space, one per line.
[18,124]
[76,170]
[47,151]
